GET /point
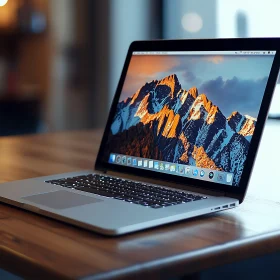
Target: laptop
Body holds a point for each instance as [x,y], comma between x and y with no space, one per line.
[180,141]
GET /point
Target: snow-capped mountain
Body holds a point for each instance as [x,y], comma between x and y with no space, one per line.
[165,122]
[244,125]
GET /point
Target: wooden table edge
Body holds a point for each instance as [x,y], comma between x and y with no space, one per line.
[187,263]
[19,264]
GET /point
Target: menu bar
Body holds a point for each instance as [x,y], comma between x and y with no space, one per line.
[173,168]
[252,52]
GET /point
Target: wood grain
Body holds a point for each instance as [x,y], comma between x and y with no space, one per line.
[36,247]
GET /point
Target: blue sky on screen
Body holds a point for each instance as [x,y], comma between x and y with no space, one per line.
[234,83]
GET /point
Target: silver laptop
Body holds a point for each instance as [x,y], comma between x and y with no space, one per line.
[180,140]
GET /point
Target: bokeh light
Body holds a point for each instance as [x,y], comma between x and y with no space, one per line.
[3,2]
[192,22]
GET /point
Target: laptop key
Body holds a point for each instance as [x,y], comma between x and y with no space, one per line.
[94,191]
[119,197]
[156,206]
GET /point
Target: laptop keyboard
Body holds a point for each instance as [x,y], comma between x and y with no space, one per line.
[133,192]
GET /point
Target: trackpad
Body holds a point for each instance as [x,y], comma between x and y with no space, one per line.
[61,199]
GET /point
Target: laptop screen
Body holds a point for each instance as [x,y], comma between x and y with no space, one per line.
[189,114]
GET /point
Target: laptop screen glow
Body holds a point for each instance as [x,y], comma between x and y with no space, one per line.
[189,114]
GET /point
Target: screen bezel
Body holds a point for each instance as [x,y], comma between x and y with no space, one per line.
[244,44]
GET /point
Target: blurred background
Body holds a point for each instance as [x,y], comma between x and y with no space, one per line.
[60,60]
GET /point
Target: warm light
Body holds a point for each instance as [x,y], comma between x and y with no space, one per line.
[192,22]
[3,2]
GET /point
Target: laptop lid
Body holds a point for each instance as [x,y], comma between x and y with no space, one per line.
[191,111]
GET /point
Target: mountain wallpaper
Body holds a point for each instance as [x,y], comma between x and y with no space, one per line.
[162,120]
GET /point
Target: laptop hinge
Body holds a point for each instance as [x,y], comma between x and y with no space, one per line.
[166,184]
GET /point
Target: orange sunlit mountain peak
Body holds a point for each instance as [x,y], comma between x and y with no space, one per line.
[248,127]
[142,110]
[212,114]
[233,114]
[167,119]
[171,81]
[185,93]
[135,95]
[193,92]
[251,118]
[182,94]
[242,124]
[201,100]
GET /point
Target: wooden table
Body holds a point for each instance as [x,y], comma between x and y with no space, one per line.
[40,248]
